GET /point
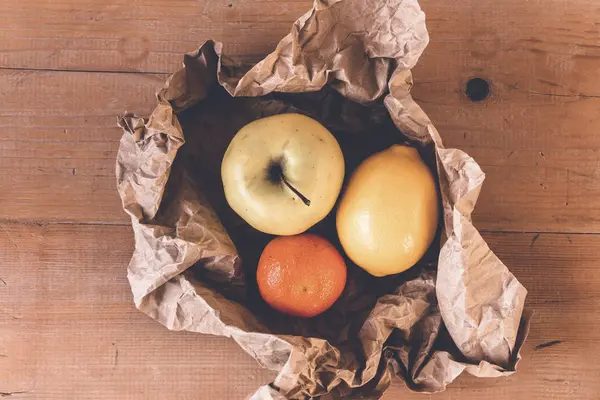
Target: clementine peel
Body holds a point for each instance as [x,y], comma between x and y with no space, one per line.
[301,275]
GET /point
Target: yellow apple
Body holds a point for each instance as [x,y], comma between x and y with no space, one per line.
[388,215]
[283,174]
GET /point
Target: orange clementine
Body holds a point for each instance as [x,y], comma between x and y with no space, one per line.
[301,275]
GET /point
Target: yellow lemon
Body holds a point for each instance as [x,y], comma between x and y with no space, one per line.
[388,215]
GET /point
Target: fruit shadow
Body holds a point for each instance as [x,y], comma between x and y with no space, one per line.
[361,131]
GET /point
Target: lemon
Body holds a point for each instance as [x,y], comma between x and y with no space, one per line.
[388,215]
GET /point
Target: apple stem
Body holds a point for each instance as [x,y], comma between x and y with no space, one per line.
[275,175]
[293,189]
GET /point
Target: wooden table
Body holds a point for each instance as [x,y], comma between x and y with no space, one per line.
[68,328]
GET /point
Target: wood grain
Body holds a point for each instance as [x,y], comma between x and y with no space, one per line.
[145,36]
[535,137]
[561,274]
[69,330]
[59,134]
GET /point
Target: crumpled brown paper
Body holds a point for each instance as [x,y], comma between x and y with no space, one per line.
[346,63]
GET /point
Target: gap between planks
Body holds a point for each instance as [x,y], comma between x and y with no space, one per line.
[91,71]
[125,224]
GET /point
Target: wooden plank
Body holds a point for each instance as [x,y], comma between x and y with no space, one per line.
[59,135]
[536,135]
[552,40]
[547,46]
[567,370]
[150,36]
[69,329]
[561,273]
[66,312]
[58,142]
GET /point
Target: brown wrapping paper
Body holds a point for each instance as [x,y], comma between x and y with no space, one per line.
[346,63]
